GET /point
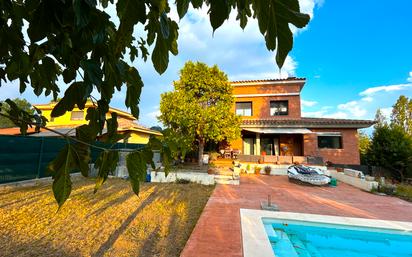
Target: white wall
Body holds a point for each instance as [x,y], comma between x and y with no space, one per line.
[196,177]
[354,181]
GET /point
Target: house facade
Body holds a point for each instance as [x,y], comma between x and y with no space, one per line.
[127,124]
[272,124]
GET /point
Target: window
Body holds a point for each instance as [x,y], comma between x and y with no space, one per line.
[77,115]
[244,108]
[278,108]
[330,141]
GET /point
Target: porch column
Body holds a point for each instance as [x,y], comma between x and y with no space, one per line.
[257,144]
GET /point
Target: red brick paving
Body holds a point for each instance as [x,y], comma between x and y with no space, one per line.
[217,232]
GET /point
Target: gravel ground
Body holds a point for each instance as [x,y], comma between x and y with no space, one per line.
[112,222]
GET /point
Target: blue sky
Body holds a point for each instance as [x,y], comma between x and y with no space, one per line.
[355,55]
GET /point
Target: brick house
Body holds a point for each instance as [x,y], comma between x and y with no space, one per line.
[272,124]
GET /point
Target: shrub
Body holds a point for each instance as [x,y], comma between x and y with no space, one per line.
[388,189]
[182,181]
[404,191]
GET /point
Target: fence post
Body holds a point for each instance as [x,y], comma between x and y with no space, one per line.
[40,157]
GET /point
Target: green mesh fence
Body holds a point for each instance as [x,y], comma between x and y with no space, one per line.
[24,157]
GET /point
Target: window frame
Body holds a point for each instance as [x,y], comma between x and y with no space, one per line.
[76,119]
[281,113]
[325,135]
[243,113]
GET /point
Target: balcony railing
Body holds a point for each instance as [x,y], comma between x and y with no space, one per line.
[314,160]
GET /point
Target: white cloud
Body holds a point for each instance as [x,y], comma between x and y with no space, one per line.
[389,88]
[306,103]
[367,99]
[353,107]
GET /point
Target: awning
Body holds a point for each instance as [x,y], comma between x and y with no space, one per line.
[279,130]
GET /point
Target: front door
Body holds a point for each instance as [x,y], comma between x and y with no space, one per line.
[266,145]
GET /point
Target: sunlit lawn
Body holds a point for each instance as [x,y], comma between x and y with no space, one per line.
[113,222]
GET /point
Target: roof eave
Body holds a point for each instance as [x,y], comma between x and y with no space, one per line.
[354,126]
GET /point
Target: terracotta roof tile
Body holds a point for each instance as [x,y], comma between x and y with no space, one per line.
[15,131]
[266,80]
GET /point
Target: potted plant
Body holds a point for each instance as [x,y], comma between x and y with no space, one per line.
[212,168]
[257,170]
[248,168]
[268,169]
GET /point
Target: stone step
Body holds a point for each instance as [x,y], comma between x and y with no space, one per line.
[300,247]
[227,182]
[224,172]
[283,246]
[225,177]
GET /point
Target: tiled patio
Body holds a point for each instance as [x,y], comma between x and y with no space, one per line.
[217,232]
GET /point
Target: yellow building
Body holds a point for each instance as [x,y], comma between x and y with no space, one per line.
[137,134]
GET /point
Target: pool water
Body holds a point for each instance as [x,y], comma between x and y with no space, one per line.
[308,239]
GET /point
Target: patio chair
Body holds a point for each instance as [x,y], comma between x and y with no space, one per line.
[228,154]
[235,153]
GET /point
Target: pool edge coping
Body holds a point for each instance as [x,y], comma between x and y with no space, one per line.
[255,241]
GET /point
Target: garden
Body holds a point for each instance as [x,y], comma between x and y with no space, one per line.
[112,222]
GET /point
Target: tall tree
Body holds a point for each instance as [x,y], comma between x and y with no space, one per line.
[380,119]
[21,103]
[391,148]
[364,144]
[402,114]
[200,106]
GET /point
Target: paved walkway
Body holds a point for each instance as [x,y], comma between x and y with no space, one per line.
[217,232]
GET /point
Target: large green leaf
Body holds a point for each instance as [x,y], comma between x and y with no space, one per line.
[86,134]
[92,71]
[76,94]
[219,11]
[60,168]
[40,23]
[106,163]
[160,55]
[164,25]
[134,89]
[112,136]
[182,7]
[137,168]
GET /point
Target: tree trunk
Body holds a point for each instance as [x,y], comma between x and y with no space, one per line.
[201,148]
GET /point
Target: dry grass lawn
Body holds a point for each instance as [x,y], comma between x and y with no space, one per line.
[113,222]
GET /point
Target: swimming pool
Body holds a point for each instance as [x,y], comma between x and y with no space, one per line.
[309,239]
[281,234]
